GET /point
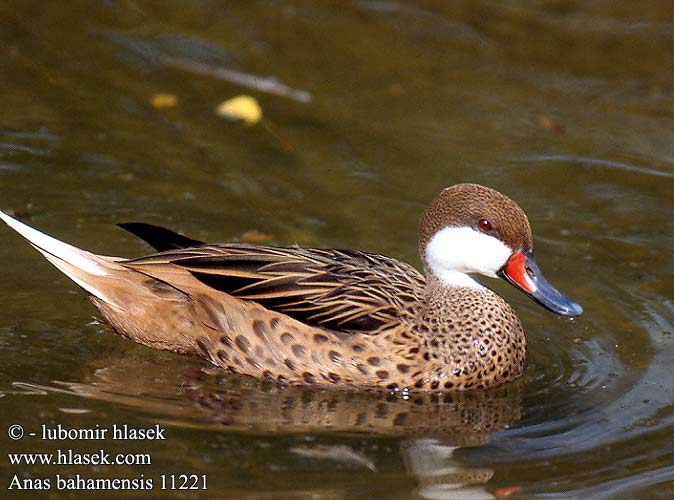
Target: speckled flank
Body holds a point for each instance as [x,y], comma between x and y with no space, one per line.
[321,316]
[275,346]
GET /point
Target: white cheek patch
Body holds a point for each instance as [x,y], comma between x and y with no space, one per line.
[455,251]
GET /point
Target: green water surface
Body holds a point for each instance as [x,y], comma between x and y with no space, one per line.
[373,108]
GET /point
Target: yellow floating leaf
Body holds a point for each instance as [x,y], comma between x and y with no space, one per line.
[243,107]
[161,101]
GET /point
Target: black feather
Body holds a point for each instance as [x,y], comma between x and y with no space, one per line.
[159,238]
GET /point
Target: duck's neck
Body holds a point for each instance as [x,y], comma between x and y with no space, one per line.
[453,279]
[444,298]
[440,279]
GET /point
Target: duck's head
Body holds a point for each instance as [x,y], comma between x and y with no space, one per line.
[470,228]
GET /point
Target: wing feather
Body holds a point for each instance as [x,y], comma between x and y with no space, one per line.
[344,290]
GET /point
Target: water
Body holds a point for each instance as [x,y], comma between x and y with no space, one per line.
[370,108]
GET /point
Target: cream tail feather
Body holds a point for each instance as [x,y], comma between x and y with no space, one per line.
[84,268]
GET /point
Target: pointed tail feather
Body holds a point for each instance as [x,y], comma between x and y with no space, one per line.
[84,268]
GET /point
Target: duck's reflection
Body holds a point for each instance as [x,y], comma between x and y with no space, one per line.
[432,426]
[440,475]
[465,419]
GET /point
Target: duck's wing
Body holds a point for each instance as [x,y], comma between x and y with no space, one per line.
[340,290]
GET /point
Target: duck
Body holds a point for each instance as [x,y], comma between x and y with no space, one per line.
[331,317]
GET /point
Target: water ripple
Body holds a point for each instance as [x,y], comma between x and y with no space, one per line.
[596,162]
[589,409]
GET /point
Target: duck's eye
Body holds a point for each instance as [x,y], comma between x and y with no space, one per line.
[485,225]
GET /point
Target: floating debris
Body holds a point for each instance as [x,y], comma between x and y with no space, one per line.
[243,107]
[269,84]
[163,101]
[396,89]
[337,453]
[74,411]
[22,214]
[549,123]
[255,236]
[506,491]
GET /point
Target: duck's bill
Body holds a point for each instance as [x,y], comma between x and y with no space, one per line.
[522,272]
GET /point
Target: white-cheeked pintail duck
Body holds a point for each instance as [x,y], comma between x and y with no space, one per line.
[326,316]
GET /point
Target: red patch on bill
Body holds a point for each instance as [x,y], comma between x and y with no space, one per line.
[517,271]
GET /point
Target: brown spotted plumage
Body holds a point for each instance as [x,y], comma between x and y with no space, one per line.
[324,316]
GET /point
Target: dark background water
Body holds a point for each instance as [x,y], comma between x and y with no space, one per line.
[563,105]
